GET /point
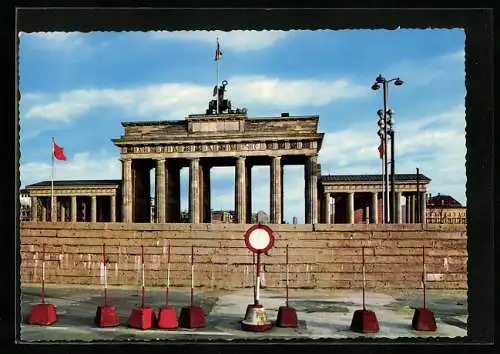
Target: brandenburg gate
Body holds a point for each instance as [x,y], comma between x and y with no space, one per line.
[202,141]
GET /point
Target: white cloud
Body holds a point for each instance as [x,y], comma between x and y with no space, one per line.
[354,150]
[79,166]
[56,41]
[422,72]
[176,100]
[72,45]
[237,41]
[459,55]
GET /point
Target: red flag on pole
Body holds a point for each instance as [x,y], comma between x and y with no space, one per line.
[381,150]
[59,152]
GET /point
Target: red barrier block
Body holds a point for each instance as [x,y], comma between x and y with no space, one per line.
[142,318]
[167,318]
[423,320]
[287,317]
[43,314]
[106,316]
[192,317]
[364,321]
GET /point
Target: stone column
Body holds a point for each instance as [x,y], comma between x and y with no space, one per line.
[204,190]
[113,208]
[93,209]
[240,193]
[248,192]
[307,193]
[407,209]
[333,210]
[412,209]
[44,213]
[73,208]
[34,208]
[367,214]
[127,190]
[423,207]
[327,208]
[282,202]
[172,191]
[399,214]
[275,188]
[53,209]
[63,212]
[313,160]
[350,207]
[374,208]
[194,192]
[160,191]
[311,193]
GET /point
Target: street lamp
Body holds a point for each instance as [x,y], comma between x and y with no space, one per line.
[386,124]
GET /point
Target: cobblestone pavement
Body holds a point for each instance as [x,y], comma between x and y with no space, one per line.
[322,314]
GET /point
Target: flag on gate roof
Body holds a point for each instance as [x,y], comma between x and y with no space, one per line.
[58,152]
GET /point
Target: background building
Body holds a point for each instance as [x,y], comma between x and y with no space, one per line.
[444,209]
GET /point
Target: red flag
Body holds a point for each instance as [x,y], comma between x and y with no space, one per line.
[59,152]
[381,150]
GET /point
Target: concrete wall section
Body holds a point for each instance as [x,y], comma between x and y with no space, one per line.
[321,256]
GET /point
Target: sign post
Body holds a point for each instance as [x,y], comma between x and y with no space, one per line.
[258,239]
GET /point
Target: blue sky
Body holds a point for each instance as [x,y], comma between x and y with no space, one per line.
[78,87]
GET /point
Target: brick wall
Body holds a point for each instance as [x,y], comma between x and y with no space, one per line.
[322,256]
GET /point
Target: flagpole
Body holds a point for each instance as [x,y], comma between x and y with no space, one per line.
[52,185]
[383,183]
[217,84]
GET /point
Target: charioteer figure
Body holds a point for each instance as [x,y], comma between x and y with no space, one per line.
[219,105]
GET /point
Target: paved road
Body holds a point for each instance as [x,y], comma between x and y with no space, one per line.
[322,314]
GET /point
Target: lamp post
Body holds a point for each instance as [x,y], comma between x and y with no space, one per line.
[387,129]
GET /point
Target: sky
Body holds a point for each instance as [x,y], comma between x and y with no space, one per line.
[78,88]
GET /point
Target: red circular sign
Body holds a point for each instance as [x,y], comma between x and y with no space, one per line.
[259,238]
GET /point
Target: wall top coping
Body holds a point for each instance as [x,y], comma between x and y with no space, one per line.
[243,227]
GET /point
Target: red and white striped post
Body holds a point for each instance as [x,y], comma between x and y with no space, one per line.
[192,316]
[142,275]
[43,314]
[287,316]
[286,276]
[105,275]
[106,315]
[167,317]
[423,318]
[364,276]
[364,321]
[192,275]
[142,317]
[43,273]
[168,275]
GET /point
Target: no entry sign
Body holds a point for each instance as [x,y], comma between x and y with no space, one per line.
[259,238]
